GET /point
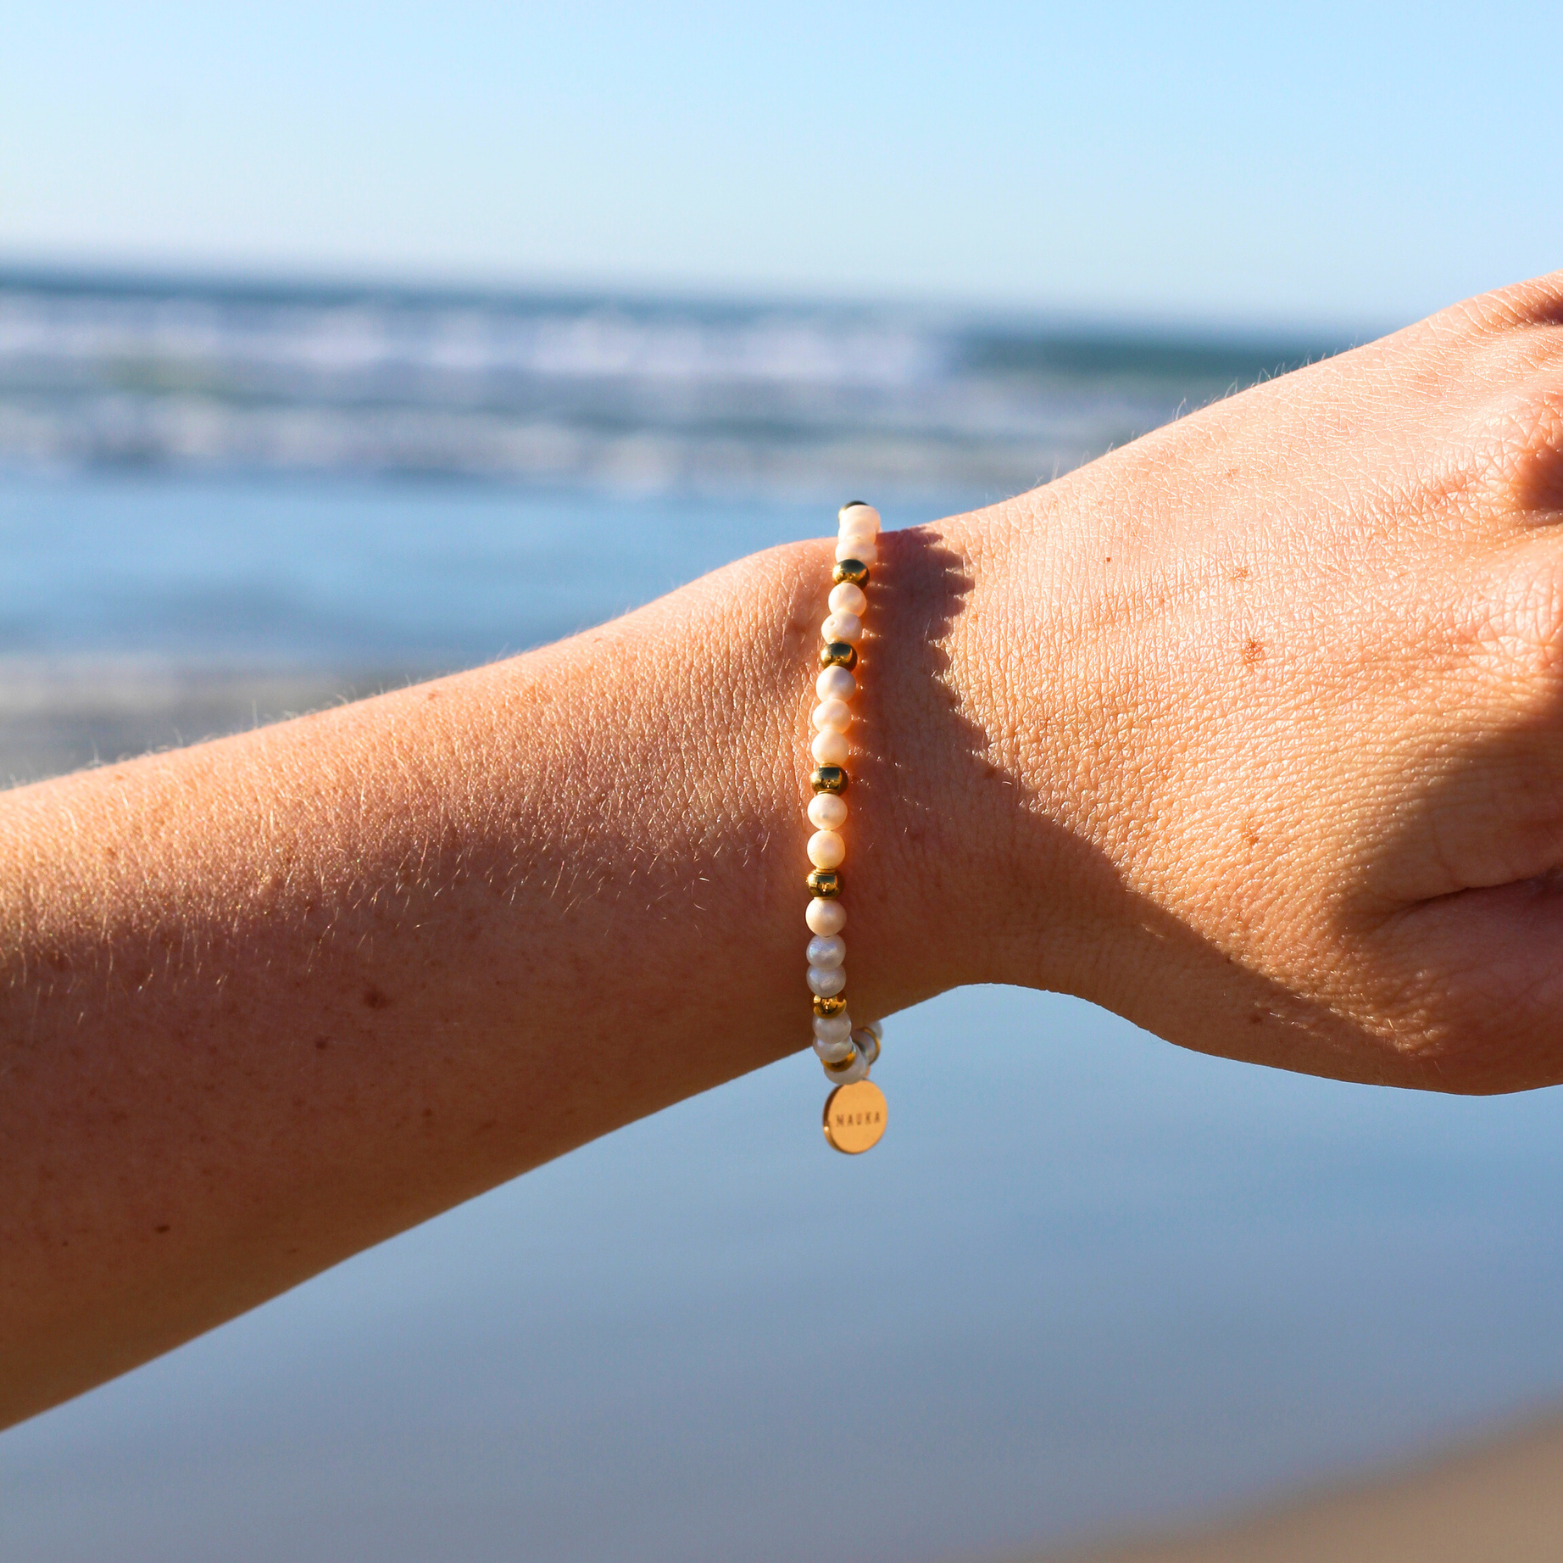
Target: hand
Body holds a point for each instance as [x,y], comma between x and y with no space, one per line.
[1278,693]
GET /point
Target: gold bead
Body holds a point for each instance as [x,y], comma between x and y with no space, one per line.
[824,881]
[834,1005]
[828,778]
[838,654]
[842,1065]
[853,571]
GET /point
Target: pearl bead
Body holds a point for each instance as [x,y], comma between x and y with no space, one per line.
[833,1051]
[853,1070]
[826,917]
[827,952]
[877,1027]
[846,627]
[827,981]
[833,1028]
[830,747]
[832,713]
[835,684]
[858,514]
[848,598]
[858,548]
[867,1044]
[826,849]
[827,811]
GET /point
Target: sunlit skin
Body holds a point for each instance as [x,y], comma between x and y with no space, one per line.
[1251,731]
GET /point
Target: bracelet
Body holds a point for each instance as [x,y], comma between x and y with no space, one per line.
[855,1109]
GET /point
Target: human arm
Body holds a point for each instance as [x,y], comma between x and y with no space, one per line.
[1249,731]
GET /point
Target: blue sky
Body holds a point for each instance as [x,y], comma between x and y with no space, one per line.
[1343,164]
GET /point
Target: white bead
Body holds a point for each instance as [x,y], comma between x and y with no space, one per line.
[835,684]
[847,598]
[826,849]
[827,952]
[832,713]
[833,1050]
[833,1028]
[867,1044]
[854,1071]
[856,538]
[859,516]
[826,914]
[859,548]
[843,626]
[877,1027]
[827,811]
[827,981]
[830,747]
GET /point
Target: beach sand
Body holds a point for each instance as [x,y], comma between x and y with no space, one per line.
[1497,1501]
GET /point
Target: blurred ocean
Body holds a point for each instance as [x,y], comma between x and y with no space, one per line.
[1088,1283]
[649,395]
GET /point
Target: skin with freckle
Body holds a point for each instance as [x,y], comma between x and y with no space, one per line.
[1251,731]
[1296,732]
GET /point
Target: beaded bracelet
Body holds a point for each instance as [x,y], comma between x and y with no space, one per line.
[855,1109]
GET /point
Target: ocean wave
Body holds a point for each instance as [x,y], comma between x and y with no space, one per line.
[649,394]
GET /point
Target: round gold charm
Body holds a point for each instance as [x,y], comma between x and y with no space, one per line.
[855,1117]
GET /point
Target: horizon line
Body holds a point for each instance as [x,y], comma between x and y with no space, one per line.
[84,276]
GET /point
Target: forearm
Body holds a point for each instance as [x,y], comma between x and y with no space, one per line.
[271,999]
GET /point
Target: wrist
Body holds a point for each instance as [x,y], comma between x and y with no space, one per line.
[966,870]
[1019,762]
[928,813]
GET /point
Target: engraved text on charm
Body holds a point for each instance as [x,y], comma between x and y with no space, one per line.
[855,1117]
